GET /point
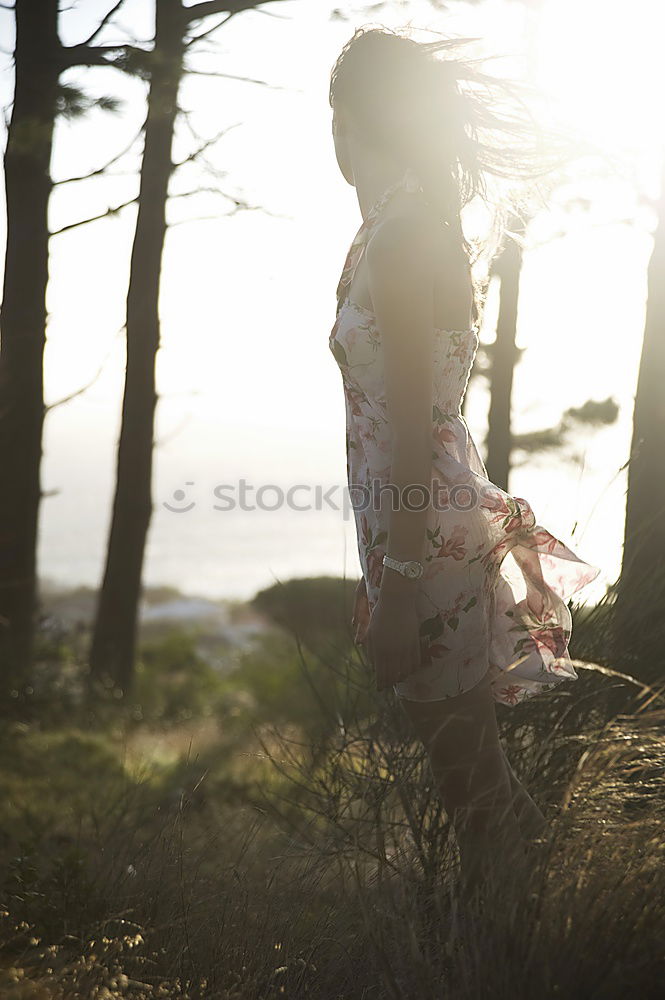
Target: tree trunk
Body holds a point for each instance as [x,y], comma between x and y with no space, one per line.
[114,640]
[23,322]
[499,438]
[640,608]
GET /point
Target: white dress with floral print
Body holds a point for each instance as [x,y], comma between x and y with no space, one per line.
[493,595]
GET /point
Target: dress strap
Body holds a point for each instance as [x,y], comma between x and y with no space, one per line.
[410,183]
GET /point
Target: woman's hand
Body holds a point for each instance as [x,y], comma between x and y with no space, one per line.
[392,641]
[360,619]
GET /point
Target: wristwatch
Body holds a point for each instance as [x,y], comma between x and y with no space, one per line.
[412,569]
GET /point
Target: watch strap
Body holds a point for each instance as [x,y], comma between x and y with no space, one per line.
[401,566]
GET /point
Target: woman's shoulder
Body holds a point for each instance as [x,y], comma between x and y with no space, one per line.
[405,232]
[411,233]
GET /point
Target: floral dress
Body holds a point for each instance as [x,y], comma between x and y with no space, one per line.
[494,591]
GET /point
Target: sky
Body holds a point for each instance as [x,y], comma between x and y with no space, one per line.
[247,387]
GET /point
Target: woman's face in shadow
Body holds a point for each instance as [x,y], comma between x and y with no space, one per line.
[341,141]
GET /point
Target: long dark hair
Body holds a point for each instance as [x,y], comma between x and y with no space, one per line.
[448,120]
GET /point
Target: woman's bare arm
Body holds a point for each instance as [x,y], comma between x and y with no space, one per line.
[401,262]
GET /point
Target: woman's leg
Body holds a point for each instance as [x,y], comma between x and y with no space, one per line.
[469,766]
[530,818]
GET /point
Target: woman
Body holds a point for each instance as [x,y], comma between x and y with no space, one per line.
[469,607]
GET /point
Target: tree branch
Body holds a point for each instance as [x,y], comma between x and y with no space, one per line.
[239,205]
[201,218]
[102,24]
[208,31]
[238,202]
[114,210]
[222,7]
[232,76]
[100,55]
[230,7]
[160,442]
[79,392]
[101,170]
[204,145]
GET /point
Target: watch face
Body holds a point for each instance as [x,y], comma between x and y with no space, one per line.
[414,570]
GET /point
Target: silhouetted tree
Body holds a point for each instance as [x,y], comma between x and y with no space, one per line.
[113,648]
[23,321]
[640,608]
[112,651]
[39,59]
[504,354]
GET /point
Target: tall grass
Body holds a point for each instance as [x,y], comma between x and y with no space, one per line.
[312,858]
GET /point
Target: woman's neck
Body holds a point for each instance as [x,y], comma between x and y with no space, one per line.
[372,175]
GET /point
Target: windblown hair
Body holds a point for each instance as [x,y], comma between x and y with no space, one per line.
[452,123]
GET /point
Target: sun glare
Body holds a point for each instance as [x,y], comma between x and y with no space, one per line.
[601,61]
